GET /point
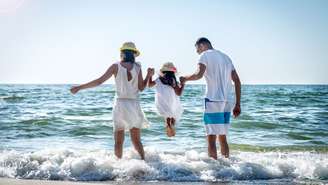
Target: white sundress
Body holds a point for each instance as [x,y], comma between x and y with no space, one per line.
[127,112]
[167,102]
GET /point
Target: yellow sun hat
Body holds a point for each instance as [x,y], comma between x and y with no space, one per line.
[130,46]
[168,66]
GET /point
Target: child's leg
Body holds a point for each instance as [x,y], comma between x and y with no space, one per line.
[119,140]
[135,137]
[224,145]
[167,121]
[211,146]
[173,121]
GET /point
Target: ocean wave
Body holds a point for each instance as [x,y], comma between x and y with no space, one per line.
[98,165]
[12,99]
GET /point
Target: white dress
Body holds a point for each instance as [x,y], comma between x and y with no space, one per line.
[127,113]
[167,102]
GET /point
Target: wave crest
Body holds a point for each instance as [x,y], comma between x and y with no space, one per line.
[64,164]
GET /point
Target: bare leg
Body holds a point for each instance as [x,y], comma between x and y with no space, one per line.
[211,146]
[119,140]
[173,126]
[170,127]
[224,145]
[135,137]
[167,126]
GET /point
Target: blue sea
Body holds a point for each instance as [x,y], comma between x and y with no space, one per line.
[48,133]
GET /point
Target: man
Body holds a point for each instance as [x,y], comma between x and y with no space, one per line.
[219,73]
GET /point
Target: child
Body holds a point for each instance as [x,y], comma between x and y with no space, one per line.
[127,113]
[167,98]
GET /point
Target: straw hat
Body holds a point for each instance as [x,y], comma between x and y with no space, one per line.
[168,66]
[130,46]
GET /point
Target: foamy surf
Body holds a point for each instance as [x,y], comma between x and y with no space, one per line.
[192,166]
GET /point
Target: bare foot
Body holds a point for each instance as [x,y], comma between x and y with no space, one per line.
[170,130]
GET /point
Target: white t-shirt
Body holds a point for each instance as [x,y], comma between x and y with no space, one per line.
[218,75]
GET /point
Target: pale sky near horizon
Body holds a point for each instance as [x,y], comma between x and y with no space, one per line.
[270,42]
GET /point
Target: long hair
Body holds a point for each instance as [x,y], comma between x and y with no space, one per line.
[128,56]
[168,78]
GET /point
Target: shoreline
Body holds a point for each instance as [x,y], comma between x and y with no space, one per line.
[11,181]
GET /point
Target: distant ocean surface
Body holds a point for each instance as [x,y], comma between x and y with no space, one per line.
[48,133]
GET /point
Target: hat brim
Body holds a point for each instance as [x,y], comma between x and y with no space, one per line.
[168,69]
[132,49]
[160,72]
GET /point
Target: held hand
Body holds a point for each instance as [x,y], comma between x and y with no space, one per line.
[236,111]
[74,89]
[150,71]
[182,80]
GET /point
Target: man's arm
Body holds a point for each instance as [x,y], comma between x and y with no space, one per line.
[196,76]
[236,80]
[110,71]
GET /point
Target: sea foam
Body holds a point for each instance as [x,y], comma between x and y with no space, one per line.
[97,165]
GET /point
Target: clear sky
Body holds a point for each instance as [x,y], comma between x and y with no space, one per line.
[75,41]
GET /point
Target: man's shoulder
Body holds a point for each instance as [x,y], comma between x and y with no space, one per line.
[223,56]
[206,55]
[214,52]
[206,52]
[219,52]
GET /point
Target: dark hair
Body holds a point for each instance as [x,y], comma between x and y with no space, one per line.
[203,40]
[168,78]
[128,56]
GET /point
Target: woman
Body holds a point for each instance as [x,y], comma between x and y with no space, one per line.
[127,113]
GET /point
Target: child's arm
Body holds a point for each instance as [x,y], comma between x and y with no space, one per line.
[179,89]
[110,71]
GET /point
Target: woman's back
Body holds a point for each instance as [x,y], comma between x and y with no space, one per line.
[126,80]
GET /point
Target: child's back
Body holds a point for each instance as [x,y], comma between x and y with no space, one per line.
[167,101]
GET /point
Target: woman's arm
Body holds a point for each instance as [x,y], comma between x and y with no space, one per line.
[142,83]
[151,83]
[151,72]
[110,71]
